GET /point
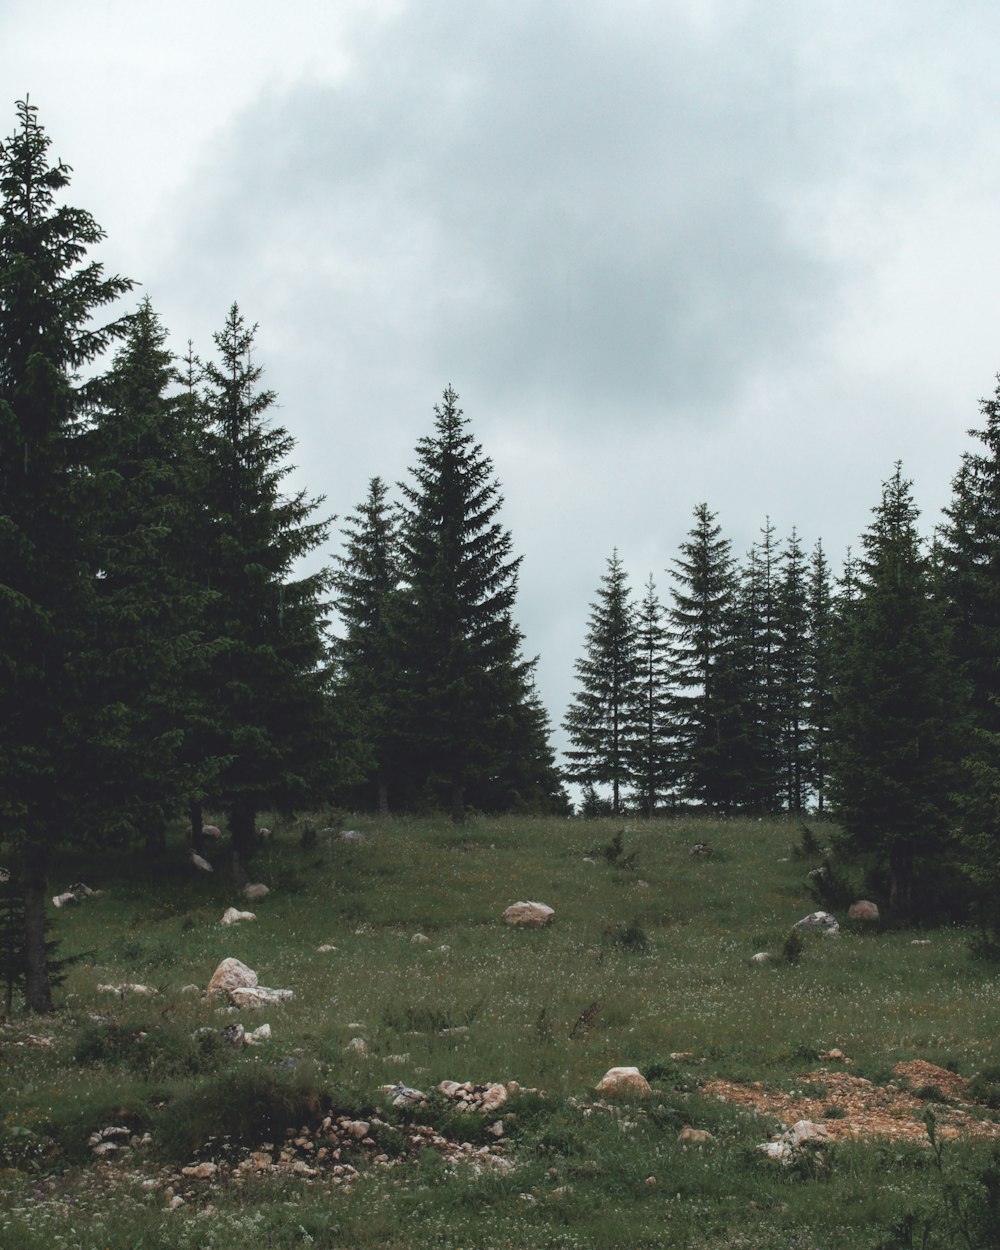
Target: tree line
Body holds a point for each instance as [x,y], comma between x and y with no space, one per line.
[161,646]
[163,649]
[768,686]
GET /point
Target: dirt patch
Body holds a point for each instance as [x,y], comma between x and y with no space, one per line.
[852,1107]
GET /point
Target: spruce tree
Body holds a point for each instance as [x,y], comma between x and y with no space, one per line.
[792,672]
[49,295]
[710,639]
[601,720]
[466,689]
[897,727]
[759,597]
[969,555]
[819,673]
[653,766]
[147,485]
[367,652]
[272,711]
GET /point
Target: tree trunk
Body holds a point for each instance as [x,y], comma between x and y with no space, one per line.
[243,830]
[37,991]
[197,828]
[382,790]
[901,881]
[156,839]
[457,802]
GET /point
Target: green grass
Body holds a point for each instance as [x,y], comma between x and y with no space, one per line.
[642,961]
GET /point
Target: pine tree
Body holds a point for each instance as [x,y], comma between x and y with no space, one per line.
[819,673]
[601,719]
[792,672]
[898,716]
[652,768]
[148,478]
[465,685]
[969,555]
[760,610]
[367,582]
[709,633]
[49,295]
[271,700]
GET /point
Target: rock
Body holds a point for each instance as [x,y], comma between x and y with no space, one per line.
[700,850]
[863,910]
[358,1129]
[351,835]
[190,989]
[231,975]
[325,948]
[793,1143]
[689,1136]
[494,1096]
[819,922]
[232,916]
[263,833]
[258,996]
[404,1096]
[762,957]
[201,863]
[126,988]
[419,939]
[201,1171]
[626,1082]
[211,831]
[235,1034]
[256,890]
[256,1036]
[358,1045]
[529,914]
[805,1132]
[64,900]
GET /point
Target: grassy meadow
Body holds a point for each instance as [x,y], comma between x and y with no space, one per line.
[646,964]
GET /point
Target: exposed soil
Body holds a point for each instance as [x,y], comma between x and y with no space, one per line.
[864,1110]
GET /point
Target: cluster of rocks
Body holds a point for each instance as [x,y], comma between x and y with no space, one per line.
[126,987]
[239,982]
[238,1035]
[336,1150]
[802,1139]
[465,1095]
[75,894]
[116,1137]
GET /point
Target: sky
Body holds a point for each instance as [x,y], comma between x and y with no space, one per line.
[667,251]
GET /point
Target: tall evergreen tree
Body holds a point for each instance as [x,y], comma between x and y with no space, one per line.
[969,555]
[272,709]
[49,295]
[709,658]
[898,719]
[367,584]
[820,673]
[653,766]
[465,685]
[794,639]
[760,612]
[601,720]
[148,479]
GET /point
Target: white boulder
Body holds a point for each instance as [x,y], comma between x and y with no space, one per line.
[627,1082]
[819,922]
[535,914]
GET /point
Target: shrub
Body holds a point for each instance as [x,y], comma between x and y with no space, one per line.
[245,1105]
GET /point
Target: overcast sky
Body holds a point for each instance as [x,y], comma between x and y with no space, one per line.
[666,251]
